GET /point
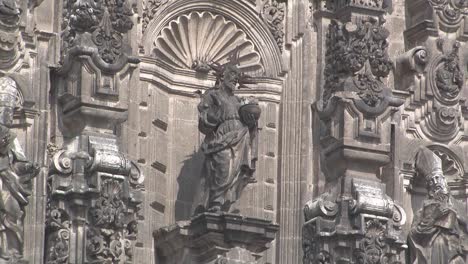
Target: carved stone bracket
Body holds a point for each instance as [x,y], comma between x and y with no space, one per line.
[214,238]
[362,228]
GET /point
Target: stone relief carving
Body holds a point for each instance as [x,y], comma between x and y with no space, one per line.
[450,12]
[106,20]
[16,173]
[58,227]
[441,95]
[111,225]
[197,39]
[150,9]
[230,146]
[110,228]
[439,230]
[372,247]
[357,57]
[273,13]
[449,78]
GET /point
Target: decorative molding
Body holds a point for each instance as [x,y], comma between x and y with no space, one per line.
[150,8]
[435,76]
[194,40]
[451,13]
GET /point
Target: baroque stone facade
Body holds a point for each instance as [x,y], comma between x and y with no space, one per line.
[240,131]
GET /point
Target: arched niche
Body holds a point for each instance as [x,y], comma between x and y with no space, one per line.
[237,13]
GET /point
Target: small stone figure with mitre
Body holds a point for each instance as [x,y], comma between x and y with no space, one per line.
[230,146]
[439,233]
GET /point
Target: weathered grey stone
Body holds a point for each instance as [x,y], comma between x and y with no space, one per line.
[107,91]
[214,238]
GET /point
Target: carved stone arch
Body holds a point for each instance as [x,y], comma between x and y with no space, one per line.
[243,15]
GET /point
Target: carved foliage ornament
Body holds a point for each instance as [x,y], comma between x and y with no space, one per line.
[111,225]
[372,246]
[58,241]
[198,39]
[273,14]
[357,54]
[105,20]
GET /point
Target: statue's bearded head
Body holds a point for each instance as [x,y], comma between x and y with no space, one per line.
[231,76]
[429,165]
[437,186]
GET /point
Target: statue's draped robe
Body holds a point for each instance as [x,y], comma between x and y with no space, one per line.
[438,234]
[13,199]
[227,147]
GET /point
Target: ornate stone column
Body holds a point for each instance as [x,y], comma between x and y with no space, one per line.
[353,220]
[94,190]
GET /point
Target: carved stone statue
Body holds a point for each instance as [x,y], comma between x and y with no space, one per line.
[9,11]
[449,77]
[439,231]
[16,173]
[230,126]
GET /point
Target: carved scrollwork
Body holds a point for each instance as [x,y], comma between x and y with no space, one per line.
[273,14]
[58,241]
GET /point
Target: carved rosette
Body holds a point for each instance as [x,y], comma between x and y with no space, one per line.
[104,21]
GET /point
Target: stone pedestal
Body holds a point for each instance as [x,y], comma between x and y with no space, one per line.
[214,238]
